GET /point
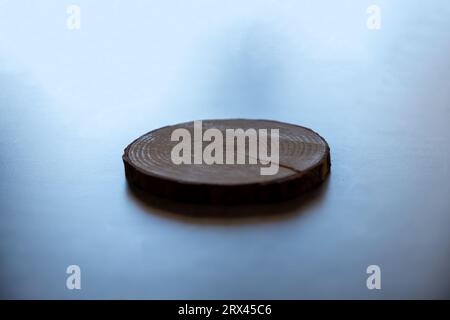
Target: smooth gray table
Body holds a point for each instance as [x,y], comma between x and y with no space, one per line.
[71,100]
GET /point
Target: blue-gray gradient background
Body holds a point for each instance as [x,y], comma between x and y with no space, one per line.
[70,101]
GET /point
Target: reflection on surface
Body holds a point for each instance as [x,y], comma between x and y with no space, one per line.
[227,214]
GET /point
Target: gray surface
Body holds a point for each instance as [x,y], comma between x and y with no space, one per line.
[72,100]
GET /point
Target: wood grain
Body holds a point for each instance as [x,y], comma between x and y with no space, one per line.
[304,163]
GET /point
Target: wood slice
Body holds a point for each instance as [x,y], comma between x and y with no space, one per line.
[304,162]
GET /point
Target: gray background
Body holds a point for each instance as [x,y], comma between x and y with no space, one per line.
[71,101]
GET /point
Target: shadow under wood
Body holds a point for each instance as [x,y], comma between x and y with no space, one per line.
[227,214]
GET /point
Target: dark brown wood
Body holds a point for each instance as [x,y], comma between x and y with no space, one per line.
[304,162]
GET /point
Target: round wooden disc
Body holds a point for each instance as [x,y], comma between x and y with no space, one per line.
[304,162]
